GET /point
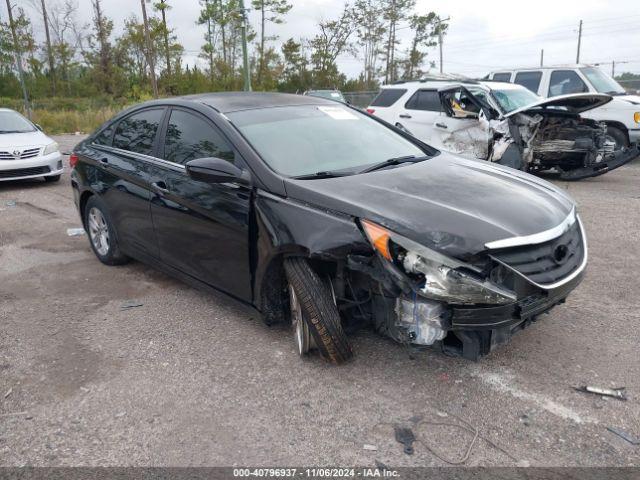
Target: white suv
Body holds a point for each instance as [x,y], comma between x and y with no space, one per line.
[622,115]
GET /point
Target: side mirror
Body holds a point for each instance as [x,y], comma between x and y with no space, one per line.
[216,170]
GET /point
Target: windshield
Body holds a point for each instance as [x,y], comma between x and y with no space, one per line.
[330,94]
[307,139]
[602,82]
[13,122]
[514,98]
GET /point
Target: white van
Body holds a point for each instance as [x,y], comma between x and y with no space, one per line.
[622,114]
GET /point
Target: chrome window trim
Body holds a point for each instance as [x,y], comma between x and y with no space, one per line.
[539,237]
[142,156]
[574,274]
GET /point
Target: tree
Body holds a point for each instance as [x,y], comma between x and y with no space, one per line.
[333,40]
[270,11]
[149,50]
[394,12]
[163,6]
[371,33]
[100,55]
[425,30]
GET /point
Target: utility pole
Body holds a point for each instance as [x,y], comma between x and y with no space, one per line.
[542,57]
[579,41]
[16,47]
[147,37]
[245,52]
[613,67]
[440,20]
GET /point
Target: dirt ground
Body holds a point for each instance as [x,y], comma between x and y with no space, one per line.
[189,378]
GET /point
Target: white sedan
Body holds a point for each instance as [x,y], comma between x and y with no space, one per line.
[26,152]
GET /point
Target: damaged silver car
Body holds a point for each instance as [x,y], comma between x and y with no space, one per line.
[506,124]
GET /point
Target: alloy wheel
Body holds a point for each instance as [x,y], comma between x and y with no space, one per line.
[98,231]
[300,327]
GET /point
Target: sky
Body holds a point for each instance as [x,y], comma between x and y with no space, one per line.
[484,35]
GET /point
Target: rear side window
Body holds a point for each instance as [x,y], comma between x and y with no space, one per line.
[424,100]
[530,80]
[563,82]
[105,136]
[137,132]
[388,97]
[189,137]
[502,77]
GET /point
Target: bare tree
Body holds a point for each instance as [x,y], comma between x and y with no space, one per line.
[150,54]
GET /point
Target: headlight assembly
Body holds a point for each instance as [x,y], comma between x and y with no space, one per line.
[439,277]
[51,148]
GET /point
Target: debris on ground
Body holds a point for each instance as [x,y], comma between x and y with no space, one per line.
[130,304]
[381,466]
[619,392]
[6,395]
[10,203]
[75,232]
[372,448]
[405,436]
[624,435]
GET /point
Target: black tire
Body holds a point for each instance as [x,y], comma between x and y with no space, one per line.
[319,311]
[52,178]
[112,255]
[619,136]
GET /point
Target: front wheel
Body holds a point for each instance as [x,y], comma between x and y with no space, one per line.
[314,315]
[618,136]
[102,234]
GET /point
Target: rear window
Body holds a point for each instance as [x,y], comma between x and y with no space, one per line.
[428,100]
[388,97]
[530,80]
[137,132]
[502,77]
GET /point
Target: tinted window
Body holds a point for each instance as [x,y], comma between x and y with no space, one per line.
[104,137]
[564,82]
[137,132]
[189,137]
[424,100]
[502,77]
[388,97]
[530,80]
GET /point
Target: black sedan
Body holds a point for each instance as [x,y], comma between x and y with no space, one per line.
[315,213]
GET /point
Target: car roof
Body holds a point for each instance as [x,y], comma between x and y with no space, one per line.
[6,110]
[227,102]
[568,66]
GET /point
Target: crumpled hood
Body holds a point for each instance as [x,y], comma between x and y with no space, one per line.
[573,103]
[29,139]
[447,203]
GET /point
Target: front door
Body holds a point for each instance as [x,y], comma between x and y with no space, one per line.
[202,229]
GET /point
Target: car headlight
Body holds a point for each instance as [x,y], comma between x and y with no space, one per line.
[438,277]
[51,148]
[636,117]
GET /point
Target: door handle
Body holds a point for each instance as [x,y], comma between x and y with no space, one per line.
[441,125]
[160,187]
[404,115]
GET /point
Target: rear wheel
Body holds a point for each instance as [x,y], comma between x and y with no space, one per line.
[314,315]
[102,234]
[52,178]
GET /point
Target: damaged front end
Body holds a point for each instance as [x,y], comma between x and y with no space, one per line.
[574,146]
[418,296]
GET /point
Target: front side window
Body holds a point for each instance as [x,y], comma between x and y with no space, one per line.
[137,132]
[428,100]
[307,139]
[388,96]
[189,137]
[502,77]
[13,122]
[530,80]
[564,82]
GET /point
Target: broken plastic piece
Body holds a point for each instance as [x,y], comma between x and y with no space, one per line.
[405,436]
[372,448]
[130,304]
[619,392]
[624,435]
[75,232]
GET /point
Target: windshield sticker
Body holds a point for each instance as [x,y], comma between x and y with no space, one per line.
[338,113]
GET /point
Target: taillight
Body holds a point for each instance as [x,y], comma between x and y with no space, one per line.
[73,159]
[370,111]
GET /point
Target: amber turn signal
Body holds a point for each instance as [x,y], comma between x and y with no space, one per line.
[379,238]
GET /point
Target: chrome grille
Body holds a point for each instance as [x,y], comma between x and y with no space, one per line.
[549,262]
[23,154]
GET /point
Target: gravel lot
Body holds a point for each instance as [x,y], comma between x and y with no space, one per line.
[191,379]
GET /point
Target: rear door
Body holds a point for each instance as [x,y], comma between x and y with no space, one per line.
[458,128]
[420,113]
[202,229]
[122,154]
